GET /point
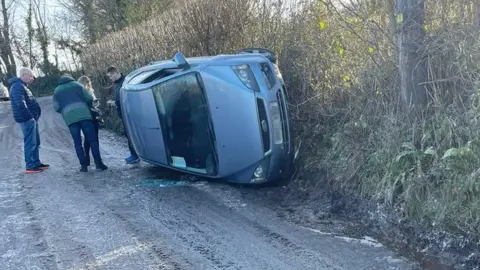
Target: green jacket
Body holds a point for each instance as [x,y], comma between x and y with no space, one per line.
[72,100]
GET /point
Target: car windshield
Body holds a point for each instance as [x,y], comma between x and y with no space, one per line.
[186,127]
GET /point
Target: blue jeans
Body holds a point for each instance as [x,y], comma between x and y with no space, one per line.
[88,129]
[31,144]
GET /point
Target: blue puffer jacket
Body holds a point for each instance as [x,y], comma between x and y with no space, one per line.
[24,105]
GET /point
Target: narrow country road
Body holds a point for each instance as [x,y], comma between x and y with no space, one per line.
[130,217]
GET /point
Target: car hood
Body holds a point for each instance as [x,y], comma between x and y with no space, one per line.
[235,121]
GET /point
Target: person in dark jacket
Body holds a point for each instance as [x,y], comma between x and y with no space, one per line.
[118,79]
[26,112]
[73,101]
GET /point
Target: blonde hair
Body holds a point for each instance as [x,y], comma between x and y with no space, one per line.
[86,82]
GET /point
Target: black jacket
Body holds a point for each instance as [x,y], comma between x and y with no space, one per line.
[117,86]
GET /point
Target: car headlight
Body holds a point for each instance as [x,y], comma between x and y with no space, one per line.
[258,173]
[261,172]
[245,74]
[276,123]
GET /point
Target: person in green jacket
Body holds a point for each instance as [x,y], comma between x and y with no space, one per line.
[73,101]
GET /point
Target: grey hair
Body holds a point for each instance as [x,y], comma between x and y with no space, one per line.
[25,71]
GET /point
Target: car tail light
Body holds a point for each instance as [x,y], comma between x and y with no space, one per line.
[245,74]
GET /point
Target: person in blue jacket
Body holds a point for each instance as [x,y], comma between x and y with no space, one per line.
[26,112]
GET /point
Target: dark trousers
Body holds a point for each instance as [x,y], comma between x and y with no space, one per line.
[86,144]
[130,146]
[88,129]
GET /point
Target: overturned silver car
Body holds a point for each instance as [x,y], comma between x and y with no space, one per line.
[223,116]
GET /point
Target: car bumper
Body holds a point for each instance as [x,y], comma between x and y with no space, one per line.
[278,166]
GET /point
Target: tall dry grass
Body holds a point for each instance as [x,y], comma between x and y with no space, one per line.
[339,64]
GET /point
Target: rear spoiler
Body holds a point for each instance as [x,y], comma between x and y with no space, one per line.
[265,52]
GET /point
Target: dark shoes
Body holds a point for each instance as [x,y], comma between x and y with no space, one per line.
[42,167]
[101,167]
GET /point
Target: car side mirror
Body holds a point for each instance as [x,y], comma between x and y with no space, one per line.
[274,59]
[180,60]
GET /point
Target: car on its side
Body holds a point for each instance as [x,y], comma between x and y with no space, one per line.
[224,117]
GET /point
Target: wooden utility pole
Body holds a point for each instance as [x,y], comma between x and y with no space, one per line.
[478,12]
[391,18]
[410,36]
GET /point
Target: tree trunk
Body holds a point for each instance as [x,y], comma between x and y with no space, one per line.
[410,37]
[90,21]
[30,34]
[443,7]
[6,53]
[42,35]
